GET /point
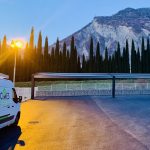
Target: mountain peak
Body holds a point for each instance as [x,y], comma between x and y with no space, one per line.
[128,24]
[132,13]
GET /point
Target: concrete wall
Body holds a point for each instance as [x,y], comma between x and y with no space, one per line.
[102,89]
[24,92]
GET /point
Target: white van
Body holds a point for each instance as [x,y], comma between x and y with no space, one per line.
[9,104]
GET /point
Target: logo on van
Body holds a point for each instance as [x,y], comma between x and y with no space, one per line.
[4,95]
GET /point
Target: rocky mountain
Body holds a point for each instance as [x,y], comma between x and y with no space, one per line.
[108,30]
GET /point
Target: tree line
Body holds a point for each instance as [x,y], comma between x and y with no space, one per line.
[36,58]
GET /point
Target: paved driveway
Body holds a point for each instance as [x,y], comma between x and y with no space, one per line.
[68,124]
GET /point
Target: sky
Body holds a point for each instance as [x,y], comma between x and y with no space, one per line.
[55,18]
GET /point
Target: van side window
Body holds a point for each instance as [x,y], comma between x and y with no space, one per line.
[14,95]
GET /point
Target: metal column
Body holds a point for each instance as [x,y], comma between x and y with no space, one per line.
[113,86]
[32,87]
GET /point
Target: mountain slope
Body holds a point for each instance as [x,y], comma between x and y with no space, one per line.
[126,24]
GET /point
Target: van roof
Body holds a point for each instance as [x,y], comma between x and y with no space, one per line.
[6,83]
[3,76]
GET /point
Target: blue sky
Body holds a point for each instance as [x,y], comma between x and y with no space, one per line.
[55,18]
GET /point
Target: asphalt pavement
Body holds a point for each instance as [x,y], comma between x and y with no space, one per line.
[73,123]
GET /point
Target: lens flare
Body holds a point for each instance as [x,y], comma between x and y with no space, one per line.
[17,44]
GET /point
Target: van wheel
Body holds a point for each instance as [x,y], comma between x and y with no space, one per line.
[17,120]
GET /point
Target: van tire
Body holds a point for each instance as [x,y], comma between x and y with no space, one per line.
[17,119]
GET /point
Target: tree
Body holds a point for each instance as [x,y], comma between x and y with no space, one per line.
[68,66]
[78,65]
[98,58]
[31,43]
[73,56]
[127,64]
[118,59]
[5,56]
[46,56]
[39,52]
[31,54]
[106,60]
[83,64]
[123,64]
[133,58]
[57,61]
[143,56]
[64,58]
[148,56]
[26,63]
[53,60]
[138,61]
[91,58]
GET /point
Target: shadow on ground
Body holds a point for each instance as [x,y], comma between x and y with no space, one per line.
[41,98]
[9,138]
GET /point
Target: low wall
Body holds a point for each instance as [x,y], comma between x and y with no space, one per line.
[25,92]
[91,93]
[103,89]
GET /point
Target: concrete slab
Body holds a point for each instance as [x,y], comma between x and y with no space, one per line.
[131,113]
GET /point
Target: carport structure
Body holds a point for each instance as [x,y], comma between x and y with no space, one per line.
[100,76]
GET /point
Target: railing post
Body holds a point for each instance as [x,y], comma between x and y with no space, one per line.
[66,87]
[113,87]
[81,86]
[32,87]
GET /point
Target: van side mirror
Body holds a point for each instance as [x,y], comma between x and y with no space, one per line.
[20,99]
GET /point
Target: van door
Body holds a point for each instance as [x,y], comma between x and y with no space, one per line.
[5,110]
[15,104]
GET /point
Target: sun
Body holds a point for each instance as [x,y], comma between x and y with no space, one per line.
[17,43]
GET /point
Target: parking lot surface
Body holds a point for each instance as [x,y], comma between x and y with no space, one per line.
[73,123]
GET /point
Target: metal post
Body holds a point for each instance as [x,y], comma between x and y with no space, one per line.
[14,73]
[113,87]
[32,87]
[81,86]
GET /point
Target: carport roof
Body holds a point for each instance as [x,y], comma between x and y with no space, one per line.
[45,75]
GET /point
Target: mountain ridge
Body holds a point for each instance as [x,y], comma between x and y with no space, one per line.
[126,24]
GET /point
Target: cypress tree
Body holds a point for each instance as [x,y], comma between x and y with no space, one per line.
[60,62]
[109,64]
[39,52]
[91,58]
[123,65]
[83,64]
[98,58]
[27,75]
[118,57]
[106,60]
[113,68]
[73,56]
[4,44]
[78,65]
[133,58]
[53,64]
[46,56]
[31,43]
[31,54]
[64,58]
[68,66]
[127,66]
[143,56]
[0,48]
[148,57]
[57,61]
[5,54]
[138,59]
